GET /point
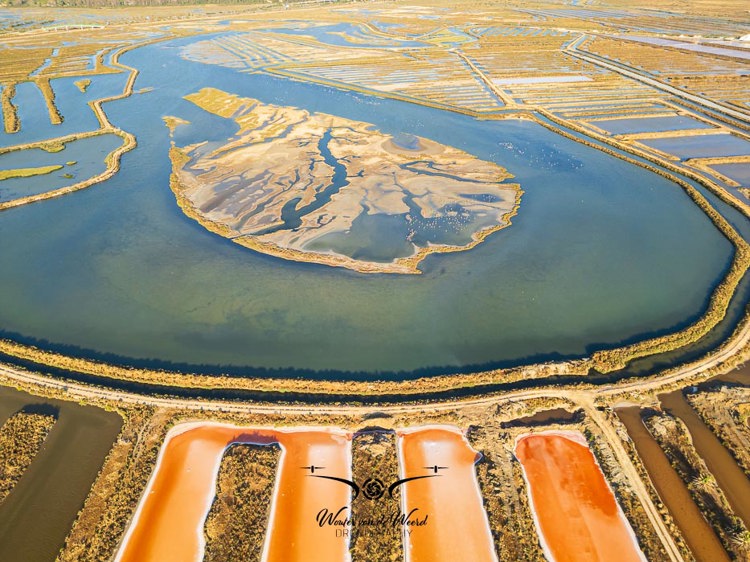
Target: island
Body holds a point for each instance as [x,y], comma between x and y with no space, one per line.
[324,189]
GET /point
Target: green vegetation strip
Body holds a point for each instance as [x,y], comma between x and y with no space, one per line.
[10,111]
[28,172]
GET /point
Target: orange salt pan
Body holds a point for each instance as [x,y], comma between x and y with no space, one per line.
[448,503]
[294,534]
[168,523]
[575,511]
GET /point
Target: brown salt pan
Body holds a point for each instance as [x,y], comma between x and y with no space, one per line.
[728,474]
[700,538]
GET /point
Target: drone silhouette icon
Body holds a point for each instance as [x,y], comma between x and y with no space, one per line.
[391,489]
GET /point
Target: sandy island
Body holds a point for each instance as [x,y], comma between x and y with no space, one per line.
[319,188]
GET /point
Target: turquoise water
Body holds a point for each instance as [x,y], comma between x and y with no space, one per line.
[600,252]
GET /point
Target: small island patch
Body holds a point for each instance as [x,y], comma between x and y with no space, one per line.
[324,189]
[28,172]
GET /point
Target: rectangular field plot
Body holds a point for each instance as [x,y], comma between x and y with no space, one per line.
[703,146]
[738,172]
[541,80]
[712,74]
[650,124]
[444,80]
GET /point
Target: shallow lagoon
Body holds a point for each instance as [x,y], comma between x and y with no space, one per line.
[600,252]
[81,159]
[72,104]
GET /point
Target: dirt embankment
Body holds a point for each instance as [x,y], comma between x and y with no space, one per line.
[10,111]
[374,457]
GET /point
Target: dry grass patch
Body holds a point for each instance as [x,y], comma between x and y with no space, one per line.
[21,438]
[237,523]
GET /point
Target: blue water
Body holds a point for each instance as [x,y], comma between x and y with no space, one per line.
[292,216]
[390,232]
[738,172]
[650,124]
[600,252]
[703,146]
[81,159]
[72,104]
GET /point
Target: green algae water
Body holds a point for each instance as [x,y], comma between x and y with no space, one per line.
[601,252]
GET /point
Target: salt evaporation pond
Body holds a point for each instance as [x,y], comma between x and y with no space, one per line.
[701,146]
[650,124]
